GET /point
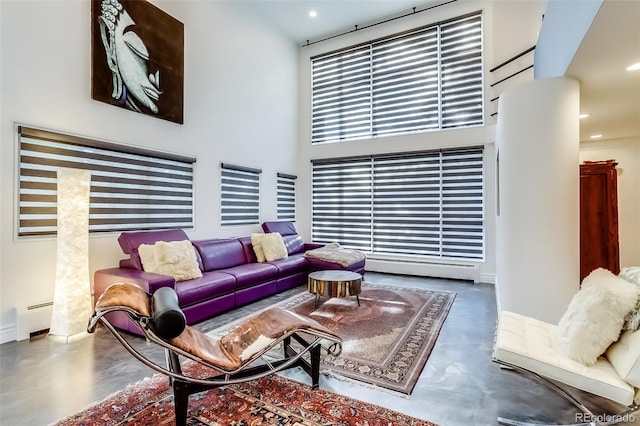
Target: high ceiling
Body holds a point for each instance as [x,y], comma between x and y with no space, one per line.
[333,16]
[609,93]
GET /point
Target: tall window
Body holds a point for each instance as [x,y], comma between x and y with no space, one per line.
[425,79]
[131,188]
[426,203]
[286,197]
[239,195]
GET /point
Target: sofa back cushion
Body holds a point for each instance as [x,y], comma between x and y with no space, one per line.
[281,227]
[290,236]
[293,243]
[220,253]
[130,241]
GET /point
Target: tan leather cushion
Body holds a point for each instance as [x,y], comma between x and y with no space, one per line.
[260,331]
[125,294]
[248,341]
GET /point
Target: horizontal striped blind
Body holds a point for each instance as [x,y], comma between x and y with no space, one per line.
[341,95]
[286,197]
[405,83]
[461,72]
[239,195]
[424,79]
[131,188]
[407,191]
[424,203]
[341,200]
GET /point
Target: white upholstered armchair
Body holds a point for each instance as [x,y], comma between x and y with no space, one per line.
[589,349]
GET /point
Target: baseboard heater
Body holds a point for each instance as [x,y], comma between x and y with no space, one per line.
[461,271]
[33,320]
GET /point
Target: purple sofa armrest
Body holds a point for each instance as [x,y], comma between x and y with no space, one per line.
[147,281]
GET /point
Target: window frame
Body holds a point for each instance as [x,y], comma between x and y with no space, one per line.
[349,98]
[427,204]
[286,196]
[244,202]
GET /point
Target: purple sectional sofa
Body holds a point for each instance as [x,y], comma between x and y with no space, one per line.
[231,274]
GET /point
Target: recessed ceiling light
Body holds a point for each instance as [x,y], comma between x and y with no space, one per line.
[596,136]
[313,13]
[585,115]
[634,67]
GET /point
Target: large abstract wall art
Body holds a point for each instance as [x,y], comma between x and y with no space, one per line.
[137,58]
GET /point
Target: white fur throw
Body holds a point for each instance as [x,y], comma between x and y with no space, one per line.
[256,242]
[175,258]
[595,316]
[273,246]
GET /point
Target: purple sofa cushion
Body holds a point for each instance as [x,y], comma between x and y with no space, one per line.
[293,243]
[211,284]
[283,227]
[220,253]
[130,241]
[247,246]
[251,274]
[290,236]
[290,265]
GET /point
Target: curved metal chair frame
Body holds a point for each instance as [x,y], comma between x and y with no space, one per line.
[588,414]
[517,347]
[255,367]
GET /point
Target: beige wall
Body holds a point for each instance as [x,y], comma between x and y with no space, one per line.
[627,153]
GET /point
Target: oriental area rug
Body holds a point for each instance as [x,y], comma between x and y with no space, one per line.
[386,340]
[273,400]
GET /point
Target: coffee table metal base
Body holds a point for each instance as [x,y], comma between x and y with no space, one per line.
[334,283]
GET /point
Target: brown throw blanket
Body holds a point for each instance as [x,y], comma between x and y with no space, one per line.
[334,252]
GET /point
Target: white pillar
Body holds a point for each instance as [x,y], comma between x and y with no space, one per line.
[72,304]
[538,223]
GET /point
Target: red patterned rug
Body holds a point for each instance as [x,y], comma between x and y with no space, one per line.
[387,339]
[273,400]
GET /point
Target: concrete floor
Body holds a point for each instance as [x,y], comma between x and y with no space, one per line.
[45,379]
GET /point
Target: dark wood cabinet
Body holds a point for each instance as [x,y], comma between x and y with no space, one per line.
[599,245]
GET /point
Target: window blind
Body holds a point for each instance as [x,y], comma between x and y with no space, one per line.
[239,195]
[461,72]
[286,197]
[424,79]
[423,203]
[131,188]
[341,202]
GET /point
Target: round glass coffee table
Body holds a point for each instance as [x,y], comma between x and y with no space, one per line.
[334,283]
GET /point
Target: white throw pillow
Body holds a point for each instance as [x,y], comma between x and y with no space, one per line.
[273,246]
[595,316]
[175,258]
[256,242]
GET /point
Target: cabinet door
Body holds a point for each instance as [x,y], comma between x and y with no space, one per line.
[598,218]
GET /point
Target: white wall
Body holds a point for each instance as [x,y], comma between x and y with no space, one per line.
[538,226]
[516,30]
[565,25]
[627,153]
[239,106]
